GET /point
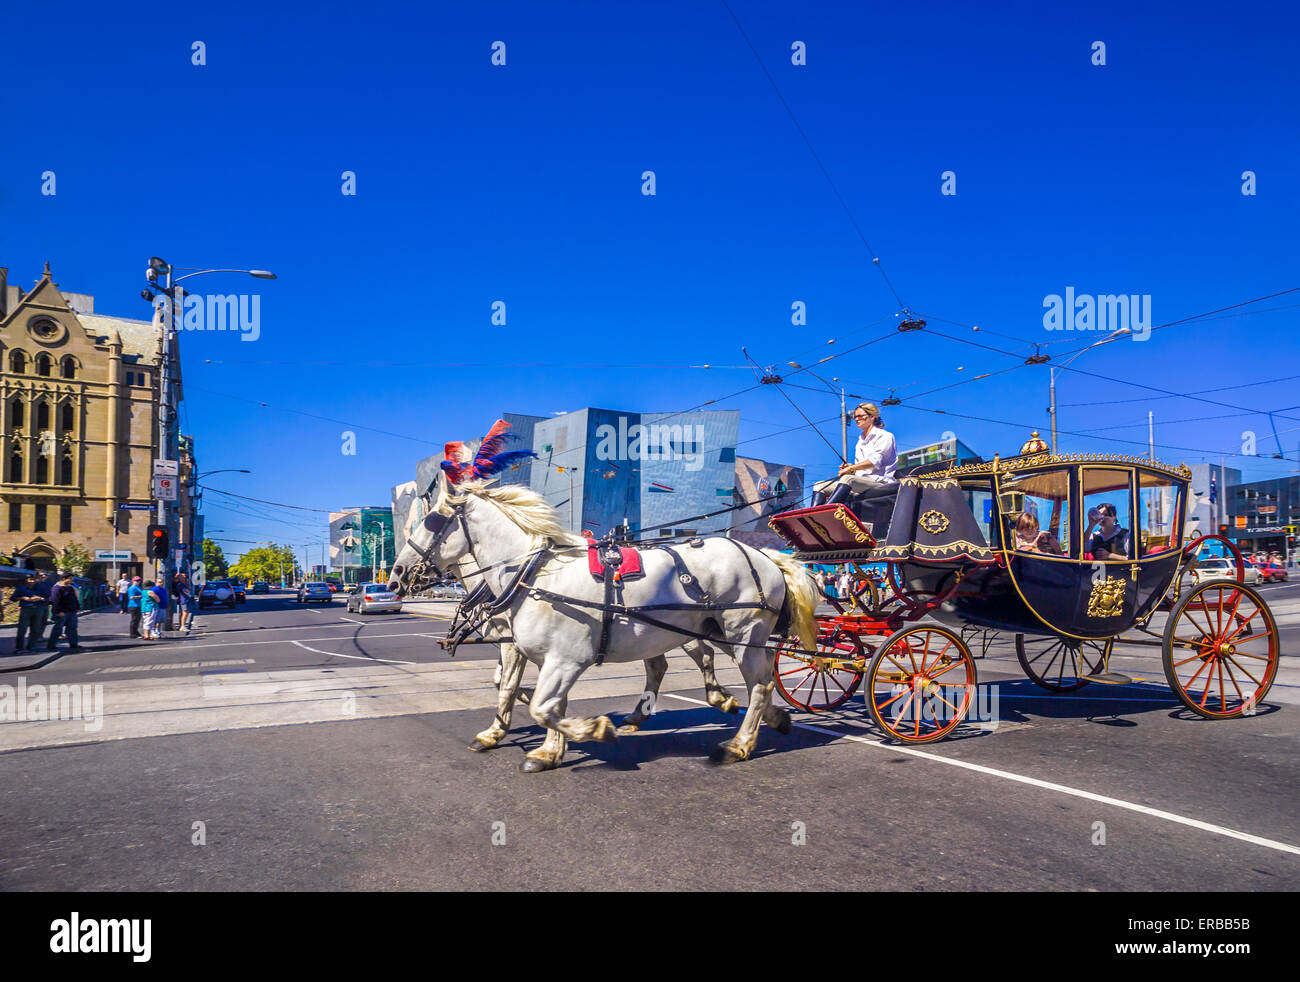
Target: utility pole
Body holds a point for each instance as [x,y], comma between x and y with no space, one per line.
[844,429]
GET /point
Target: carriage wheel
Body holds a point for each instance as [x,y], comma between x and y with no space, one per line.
[1221,650]
[1062,664]
[818,683]
[921,684]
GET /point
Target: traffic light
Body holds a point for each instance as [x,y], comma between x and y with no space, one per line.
[158,541]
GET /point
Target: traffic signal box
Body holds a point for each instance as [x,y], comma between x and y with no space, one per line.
[158,541]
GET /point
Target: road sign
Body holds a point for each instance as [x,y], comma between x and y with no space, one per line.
[109,556]
[166,468]
[164,488]
[134,507]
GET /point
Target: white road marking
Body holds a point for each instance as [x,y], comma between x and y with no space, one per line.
[169,666]
[335,654]
[350,620]
[240,644]
[1035,782]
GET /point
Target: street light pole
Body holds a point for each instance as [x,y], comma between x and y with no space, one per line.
[1052,384]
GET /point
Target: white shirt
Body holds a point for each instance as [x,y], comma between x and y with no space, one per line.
[878,447]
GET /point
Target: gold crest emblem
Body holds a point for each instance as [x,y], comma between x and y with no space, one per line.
[933,521]
[1107,598]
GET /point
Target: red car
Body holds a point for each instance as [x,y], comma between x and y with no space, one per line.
[1271,572]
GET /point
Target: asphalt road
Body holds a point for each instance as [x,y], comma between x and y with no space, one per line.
[322,750]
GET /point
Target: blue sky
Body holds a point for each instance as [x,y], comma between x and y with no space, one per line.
[478,183]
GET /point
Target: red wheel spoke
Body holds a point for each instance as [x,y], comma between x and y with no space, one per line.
[946,668]
[1242,669]
[841,688]
[825,694]
[1186,660]
[882,705]
[810,675]
[798,668]
[1188,683]
[1242,626]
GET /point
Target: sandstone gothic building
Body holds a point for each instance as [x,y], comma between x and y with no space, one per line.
[78,425]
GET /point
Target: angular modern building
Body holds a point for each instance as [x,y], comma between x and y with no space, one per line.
[605,468]
[361,543]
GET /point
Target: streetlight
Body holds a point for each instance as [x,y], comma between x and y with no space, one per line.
[1121,332]
[380,526]
[160,278]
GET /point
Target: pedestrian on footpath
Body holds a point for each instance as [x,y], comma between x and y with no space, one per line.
[134,596]
[123,585]
[30,603]
[63,600]
[182,591]
[148,607]
[44,587]
[160,615]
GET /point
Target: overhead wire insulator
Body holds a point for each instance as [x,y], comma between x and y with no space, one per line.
[911,324]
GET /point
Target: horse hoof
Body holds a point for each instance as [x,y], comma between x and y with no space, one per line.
[606,732]
[785,725]
[627,728]
[532,765]
[730,705]
[725,753]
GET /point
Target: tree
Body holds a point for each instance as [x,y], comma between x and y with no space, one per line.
[214,561]
[75,559]
[265,563]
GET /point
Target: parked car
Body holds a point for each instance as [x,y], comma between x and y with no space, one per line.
[261,586]
[1272,572]
[1210,570]
[315,593]
[374,598]
[238,587]
[217,592]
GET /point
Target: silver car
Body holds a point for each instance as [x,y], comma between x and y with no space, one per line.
[315,593]
[374,598]
[1214,570]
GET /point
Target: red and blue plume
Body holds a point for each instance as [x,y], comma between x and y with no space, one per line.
[489,459]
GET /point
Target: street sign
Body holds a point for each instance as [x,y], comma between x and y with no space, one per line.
[164,488]
[134,507]
[166,468]
[109,556]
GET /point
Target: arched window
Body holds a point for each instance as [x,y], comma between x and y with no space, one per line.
[16,475]
[16,413]
[67,417]
[44,364]
[42,415]
[68,367]
[42,469]
[65,470]
[17,362]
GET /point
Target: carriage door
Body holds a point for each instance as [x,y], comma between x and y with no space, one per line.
[1108,542]
[1159,534]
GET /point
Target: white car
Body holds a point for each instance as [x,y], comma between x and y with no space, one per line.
[1213,570]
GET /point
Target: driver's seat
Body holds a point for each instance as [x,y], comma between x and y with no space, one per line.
[875,507]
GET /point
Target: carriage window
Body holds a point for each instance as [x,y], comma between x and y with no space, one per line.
[980,500]
[1107,518]
[1158,501]
[1035,511]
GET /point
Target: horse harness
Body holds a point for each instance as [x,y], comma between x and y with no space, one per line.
[482,604]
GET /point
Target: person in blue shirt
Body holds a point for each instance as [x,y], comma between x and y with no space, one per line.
[30,605]
[134,596]
[160,613]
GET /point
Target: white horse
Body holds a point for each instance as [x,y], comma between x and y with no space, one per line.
[555,618]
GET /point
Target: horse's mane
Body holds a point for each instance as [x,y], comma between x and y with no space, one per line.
[523,506]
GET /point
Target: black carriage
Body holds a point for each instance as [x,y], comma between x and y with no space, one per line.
[1067,553]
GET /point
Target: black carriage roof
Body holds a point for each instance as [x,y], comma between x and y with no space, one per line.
[1034,460]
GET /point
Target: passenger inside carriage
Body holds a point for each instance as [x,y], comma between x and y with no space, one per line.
[1030,538]
[1111,539]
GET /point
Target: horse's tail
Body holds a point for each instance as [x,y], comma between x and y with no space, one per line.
[800,597]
